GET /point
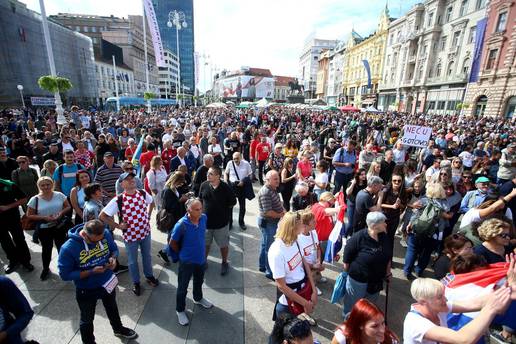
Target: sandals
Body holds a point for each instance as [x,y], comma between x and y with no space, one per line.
[304,316]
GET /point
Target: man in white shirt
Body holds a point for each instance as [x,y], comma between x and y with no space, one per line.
[237,170]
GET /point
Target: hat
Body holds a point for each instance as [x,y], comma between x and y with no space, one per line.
[124,175]
[108,154]
[512,145]
[482,180]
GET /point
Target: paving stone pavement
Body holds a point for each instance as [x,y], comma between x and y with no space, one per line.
[243,300]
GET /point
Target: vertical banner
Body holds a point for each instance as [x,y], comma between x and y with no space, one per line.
[154,29]
[368,71]
[479,45]
[197,71]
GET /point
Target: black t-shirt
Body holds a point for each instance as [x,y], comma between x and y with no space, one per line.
[7,167]
[8,195]
[442,267]
[363,201]
[232,146]
[506,189]
[386,170]
[217,204]
[356,190]
[200,177]
[490,256]
[367,258]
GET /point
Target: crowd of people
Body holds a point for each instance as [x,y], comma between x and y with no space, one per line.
[78,186]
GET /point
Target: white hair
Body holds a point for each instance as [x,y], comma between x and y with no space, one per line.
[374,218]
[425,288]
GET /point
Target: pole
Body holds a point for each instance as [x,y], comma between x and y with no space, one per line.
[178,61]
[116,85]
[146,61]
[22,100]
[61,120]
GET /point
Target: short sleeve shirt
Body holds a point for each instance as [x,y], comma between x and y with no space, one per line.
[47,208]
[309,244]
[134,214]
[416,326]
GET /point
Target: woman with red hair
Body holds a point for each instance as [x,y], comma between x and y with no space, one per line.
[365,325]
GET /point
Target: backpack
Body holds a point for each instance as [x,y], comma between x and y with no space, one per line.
[164,221]
[425,225]
[119,201]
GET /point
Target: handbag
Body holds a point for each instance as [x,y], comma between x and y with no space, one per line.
[339,289]
[305,291]
[29,224]
[65,222]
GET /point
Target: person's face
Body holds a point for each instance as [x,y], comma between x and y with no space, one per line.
[129,183]
[437,163]
[437,304]
[363,175]
[443,175]
[417,187]
[53,149]
[274,180]
[389,155]
[377,168]
[109,160]
[375,329]
[95,238]
[350,147]
[503,238]
[195,210]
[457,164]
[396,182]
[84,178]
[68,158]
[483,186]
[467,178]
[466,249]
[213,177]
[45,186]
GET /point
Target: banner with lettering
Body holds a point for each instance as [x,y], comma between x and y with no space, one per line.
[154,29]
[416,136]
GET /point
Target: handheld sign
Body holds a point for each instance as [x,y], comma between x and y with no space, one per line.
[416,136]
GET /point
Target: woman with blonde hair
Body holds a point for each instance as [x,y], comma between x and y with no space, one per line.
[289,269]
[156,177]
[374,169]
[49,208]
[457,169]
[496,237]
[49,166]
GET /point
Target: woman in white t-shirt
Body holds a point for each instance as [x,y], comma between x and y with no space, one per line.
[365,324]
[426,322]
[156,177]
[321,178]
[288,267]
[308,241]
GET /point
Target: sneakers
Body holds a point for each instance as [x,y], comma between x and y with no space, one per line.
[153,282]
[323,280]
[403,243]
[163,255]
[44,274]
[11,268]
[304,316]
[204,303]
[224,269]
[182,319]
[120,268]
[126,333]
[319,292]
[243,226]
[137,289]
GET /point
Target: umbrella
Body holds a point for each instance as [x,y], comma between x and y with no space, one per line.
[350,108]
[216,105]
[371,109]
[262,103]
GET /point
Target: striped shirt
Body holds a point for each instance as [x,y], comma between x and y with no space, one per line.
[268,199]
[107,177]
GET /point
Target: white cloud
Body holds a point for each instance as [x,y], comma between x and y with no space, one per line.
[264,34]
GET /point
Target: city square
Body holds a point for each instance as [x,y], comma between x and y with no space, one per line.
[327,173]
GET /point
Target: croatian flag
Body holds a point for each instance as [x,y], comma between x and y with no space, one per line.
[335,239]
[473,284]
[137,154]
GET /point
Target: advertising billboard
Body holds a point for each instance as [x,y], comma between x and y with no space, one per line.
[246,86]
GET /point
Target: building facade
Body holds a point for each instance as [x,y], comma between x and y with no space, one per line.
[106,76]
[494,94]
[321,89]
[282,88]
[24,58]
[334,95]
[429,55]
[186,37]
[309,63]
[361,52]
[168,76]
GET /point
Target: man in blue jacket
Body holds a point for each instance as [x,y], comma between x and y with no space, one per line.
[15,312]
[88,259]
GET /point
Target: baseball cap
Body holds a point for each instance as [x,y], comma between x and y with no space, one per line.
[108,154]
[512,145]
[124,175]
[482,180]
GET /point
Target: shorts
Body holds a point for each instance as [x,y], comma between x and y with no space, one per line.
[221,236]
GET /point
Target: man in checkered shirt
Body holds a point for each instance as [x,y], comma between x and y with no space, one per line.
[134,221]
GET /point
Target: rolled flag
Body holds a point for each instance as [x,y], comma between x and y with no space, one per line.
[473,284]
[335,243]
[136,156]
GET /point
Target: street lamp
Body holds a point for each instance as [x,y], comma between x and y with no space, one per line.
[177,19]
[20,88]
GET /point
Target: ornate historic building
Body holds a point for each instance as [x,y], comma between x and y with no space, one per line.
[429,55]
[494,94]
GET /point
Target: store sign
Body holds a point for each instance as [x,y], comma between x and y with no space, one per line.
[416,136]
[42,101]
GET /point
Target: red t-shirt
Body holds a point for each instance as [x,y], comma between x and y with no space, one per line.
[167,155]
[263,150]
[252,150]
[305,168]
[145,160]
[323,223]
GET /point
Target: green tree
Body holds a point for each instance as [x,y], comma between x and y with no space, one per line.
[149,95]
[54,84]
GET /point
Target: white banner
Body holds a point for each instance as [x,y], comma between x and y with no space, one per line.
[154,29]
[245,86]
[42,101]
[416,136]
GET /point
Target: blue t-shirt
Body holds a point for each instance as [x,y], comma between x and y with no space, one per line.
[67,179]
[191,239]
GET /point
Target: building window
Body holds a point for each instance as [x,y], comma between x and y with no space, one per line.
[456,36]
[441,104]
[85,29]
[502,22]
[448,16]
[431,105]
[480,4]
[450,68]
[463,8]
[491,59]
[443,43]
[438,70]
[472,33]
[430,19]
[93,29]
[465,66]
[95,40]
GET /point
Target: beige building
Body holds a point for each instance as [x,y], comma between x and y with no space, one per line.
[429,55]
[495,92]
[358,49]
[282,88]
[321,90]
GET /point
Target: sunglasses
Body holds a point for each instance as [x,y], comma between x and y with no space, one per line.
[467,177]
[22,162]
[504,236]
[396,180]
[457,162]
[443,174]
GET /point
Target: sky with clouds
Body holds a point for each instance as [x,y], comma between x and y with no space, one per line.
[263,34]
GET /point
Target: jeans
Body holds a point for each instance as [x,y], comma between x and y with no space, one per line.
[239,193]
[341,181]
[350,211]
[48,237]
[261,167]
[420,250]
[184,275]
[87,300]
[355,291]
[268,228]
[132,257]
[281,309]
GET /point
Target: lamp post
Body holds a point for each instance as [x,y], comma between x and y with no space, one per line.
[61,120]
[178,20]
[20,88]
